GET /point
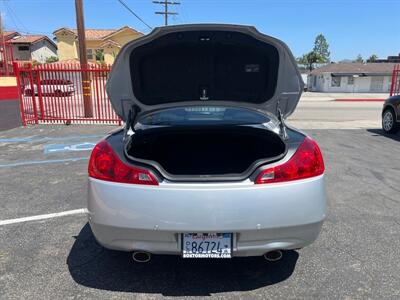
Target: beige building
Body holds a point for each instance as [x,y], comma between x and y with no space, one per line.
[352,78]
[102,45]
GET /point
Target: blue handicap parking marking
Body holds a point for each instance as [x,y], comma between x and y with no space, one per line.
[46,138]
[56,148]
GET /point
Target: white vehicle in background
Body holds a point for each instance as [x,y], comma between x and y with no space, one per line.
[53,87]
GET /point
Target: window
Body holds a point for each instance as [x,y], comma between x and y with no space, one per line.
[190,115]
[335,81]
[315,81]
[350,80]
[23,48]
[376,84]
[89,53]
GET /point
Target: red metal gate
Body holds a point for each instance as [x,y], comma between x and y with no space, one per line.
[28,105]
[53,93]
[395,88]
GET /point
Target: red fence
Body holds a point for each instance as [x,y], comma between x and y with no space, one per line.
[395,88]
[53,93]
[6,59]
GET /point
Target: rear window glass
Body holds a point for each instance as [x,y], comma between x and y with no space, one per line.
[193,115]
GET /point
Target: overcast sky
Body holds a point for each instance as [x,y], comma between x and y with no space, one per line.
[351,27]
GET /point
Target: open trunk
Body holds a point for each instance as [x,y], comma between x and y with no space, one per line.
[206,151]
[204,64]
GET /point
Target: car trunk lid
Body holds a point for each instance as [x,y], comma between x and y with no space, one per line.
[204,64]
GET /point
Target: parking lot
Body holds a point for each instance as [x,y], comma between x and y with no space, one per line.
[43,173]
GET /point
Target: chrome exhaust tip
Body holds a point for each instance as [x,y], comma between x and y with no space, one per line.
[274,255]
[141,257]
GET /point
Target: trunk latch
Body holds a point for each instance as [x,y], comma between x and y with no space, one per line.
[128,130]
[204,93]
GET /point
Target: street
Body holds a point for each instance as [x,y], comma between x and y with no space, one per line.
[355,257]
[319,111]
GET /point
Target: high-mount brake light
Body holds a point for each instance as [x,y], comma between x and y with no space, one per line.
[104,164]
[305,163]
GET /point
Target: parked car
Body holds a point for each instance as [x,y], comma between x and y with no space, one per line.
[57,87]
[391,115]
[206,165]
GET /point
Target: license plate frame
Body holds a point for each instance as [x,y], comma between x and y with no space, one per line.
[223,250]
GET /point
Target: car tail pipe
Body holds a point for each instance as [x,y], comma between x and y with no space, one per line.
[273,255]
[141,256]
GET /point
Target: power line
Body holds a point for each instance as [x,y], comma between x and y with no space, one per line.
[166,13]
[133,13]
[15,23]
[21,28]
[14,16]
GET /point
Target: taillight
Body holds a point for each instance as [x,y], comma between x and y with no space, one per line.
[306,162]
[104,164]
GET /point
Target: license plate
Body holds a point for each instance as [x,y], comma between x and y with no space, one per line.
[206,245]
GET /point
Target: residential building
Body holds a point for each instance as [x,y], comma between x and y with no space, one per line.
[8,35]
[30,47]
[352,78]
[389,59]
[102,45]
[33,48]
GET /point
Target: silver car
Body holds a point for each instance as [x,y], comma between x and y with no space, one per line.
[206,166]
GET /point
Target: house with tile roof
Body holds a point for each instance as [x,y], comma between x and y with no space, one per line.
[8,35]
[33,48]
[102,45]
[352,78]
[30,47]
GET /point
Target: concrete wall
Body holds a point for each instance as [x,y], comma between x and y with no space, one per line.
[43,50]
[8,87]
[323,83]
[21,54]
[67,46]
[109,54]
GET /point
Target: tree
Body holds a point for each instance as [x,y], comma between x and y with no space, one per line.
[309,59]
[359,59]
[100,55]
[321,48]
[319,54]
[51,59]
[373,58]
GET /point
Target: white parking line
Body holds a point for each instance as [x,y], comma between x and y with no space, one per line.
[44,217]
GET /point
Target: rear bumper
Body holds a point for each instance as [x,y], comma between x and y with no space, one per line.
[261,217]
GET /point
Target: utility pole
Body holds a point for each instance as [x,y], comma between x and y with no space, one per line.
[85,77]
[166,13]
[3,47]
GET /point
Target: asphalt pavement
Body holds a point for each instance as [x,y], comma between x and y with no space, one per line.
[43,173]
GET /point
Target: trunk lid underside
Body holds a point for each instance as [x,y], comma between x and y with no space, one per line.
[204,65]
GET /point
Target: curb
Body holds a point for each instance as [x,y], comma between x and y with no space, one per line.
[360,100]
